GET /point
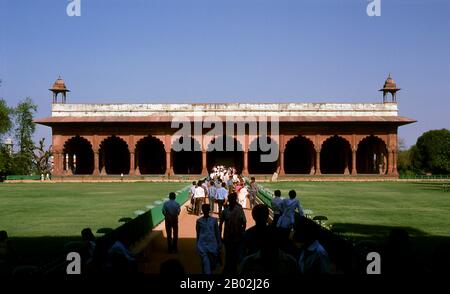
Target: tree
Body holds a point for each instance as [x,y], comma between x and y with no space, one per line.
[24,130]
[403,158]
[5,120]
[431,154]
[42,157]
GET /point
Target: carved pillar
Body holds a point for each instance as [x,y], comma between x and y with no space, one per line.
[282,173]
[168,164]
[131,172]
[354,172]
[96,163]
[394,159]
[245,170]
[57,163]
[204,169]
[318,172]
[390,162]
[282,148]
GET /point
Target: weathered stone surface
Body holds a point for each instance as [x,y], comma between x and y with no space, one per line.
[229,109]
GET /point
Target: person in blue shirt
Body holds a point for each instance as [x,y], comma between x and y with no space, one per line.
[221,197]
[276,207]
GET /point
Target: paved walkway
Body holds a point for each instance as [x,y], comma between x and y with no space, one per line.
[156,252]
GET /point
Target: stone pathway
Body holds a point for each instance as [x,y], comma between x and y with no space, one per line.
[156,252]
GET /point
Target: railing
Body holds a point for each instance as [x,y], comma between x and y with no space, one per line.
[425,177]
[22,177]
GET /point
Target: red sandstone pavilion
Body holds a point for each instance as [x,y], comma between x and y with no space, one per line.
[100,141]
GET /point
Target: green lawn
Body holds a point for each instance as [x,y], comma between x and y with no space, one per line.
[371,209]
[64,209]
[40,218]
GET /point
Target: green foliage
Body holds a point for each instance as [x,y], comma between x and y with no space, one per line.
[431,154]
[24,130]
[5,120]
[6,161]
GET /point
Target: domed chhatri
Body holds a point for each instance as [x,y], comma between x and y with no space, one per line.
[390,87]
[59,86]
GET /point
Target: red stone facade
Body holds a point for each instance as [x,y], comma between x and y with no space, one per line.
[310,148]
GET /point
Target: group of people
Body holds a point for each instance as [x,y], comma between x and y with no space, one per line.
[263,248]
[216,188]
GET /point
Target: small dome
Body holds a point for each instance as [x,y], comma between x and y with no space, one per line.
[59,85]
[389,84]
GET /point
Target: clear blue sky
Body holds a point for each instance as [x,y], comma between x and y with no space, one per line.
[230,50]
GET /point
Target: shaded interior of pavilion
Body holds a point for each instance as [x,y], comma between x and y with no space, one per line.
[149,156]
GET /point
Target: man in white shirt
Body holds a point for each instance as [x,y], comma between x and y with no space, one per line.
[199,197]
[191,195]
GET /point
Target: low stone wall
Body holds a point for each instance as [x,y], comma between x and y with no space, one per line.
[259,178]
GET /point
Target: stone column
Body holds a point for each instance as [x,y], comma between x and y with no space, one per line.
[318,172]
[168,164]
[354,172]
[131,172]
[245,170]
[282,173]
[394,159]
[204,169]
[57,163]
[96,164]
[390,162]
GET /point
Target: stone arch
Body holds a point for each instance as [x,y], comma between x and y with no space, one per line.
[187,161]
[78,156]
[221,156]
[336,156]
[371,156]
[255,165]
[114,156]
[150,156]
[299,156]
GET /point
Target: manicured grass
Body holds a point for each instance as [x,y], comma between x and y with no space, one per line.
[64,209]
[371,209]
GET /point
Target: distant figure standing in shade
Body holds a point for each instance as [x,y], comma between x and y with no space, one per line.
[208,240]
[171,210]
[313,257]
[234,218]
[287,219]
[253,191]
[276,207]
[89,246]
[256,236]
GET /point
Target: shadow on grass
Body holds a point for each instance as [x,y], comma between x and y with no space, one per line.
[430,186]
[39,251]
[49,252]
[372,231]
[426,249]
